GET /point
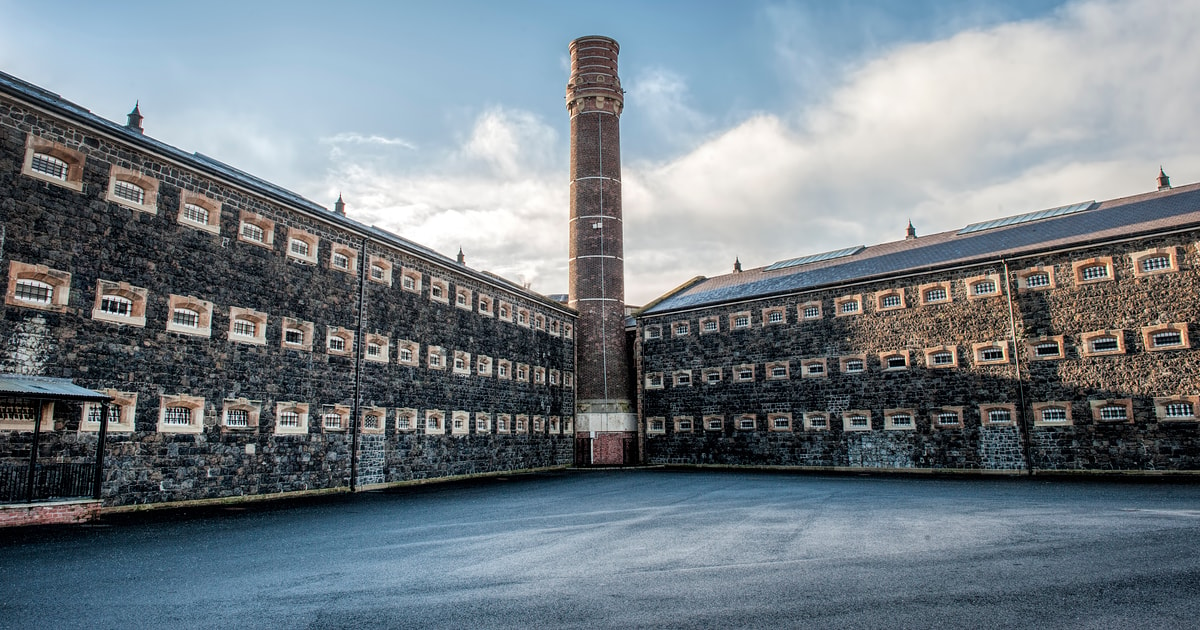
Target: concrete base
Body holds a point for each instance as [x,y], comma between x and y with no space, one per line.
[53,513]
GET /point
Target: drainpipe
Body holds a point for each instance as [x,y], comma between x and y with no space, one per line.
[104,411]
[358,359]
[33,451]
[1022,419]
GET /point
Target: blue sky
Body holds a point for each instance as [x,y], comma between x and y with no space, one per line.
[764,130]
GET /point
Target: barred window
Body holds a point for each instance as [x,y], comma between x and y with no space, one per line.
[896,361]
[942,358]
[1054,414]
[195,213]
[1179,410]
[818,421]
[96,410]
[405,355]
[983,287]
[371,421]
[935,295]
[129,191]
[403,422]
[714,424]
[435,290]
[890,301]
[373,349]
[654,332]
[337,344]
[850,306]
[1156,263]
[332,421]
[658,425]
[33,291]
[993,354]
[1035,280]
[902,420]
[19,410]
[999,416]
[1166,338]
[299,247]
[461,299]
[1114,412]
[746,423]
[1094,272]
[244,327]
[779,371]
[238,418]
[681,328]
[685,424]
[947,418]
[293,336]
[775,317]
[745,374]
[253,232]
[289,419]
[859,421]
[782,423]
[408,283]
[709,326]
[177,416]
[811,368]
[854,365]
[683,379]
[50,165]
[741,321]
[1047,349]
[186,317]
[1105,344]
[713,377]
[812,312]
[377,273]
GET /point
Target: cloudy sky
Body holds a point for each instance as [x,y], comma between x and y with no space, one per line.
[763,130]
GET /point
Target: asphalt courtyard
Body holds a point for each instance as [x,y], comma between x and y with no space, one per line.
[633,549]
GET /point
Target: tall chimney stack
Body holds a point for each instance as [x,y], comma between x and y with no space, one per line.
[604,413]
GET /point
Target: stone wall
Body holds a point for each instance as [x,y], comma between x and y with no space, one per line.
[82,233]
[1022,383]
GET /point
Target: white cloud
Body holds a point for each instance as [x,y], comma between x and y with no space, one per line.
[662,98]
[358,138]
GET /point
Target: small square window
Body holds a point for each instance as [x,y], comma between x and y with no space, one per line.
[1046,348]
[810,310]
[1035,279]
[856,420]
[653,332]
[816,421]
[681,328]
[714,423]
[746,422]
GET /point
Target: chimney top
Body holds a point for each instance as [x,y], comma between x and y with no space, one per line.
[737,265]
[1164,182]
[462,259]
[911,232]
[135,118]
[339,206]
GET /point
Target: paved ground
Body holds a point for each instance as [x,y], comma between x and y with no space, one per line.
[635,549]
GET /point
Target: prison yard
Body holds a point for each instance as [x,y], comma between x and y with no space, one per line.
[650,548]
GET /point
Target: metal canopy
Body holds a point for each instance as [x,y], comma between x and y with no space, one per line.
[46,388]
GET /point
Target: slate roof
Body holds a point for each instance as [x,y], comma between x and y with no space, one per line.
[46,388]
[1118,218]
[213,167]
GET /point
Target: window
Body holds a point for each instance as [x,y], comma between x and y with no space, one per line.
[522,373]
[485,308]
[410,280]
[568,379]
[247,326]
[503,423]
[941,357]
[853,364]
[1177,408]
[302,246]
[947,418]
[504,369]
[377,273]
[378,348]
[849,305]
[1102,342]
[683,378]
[1166,337]
[709,325]
[199,212]
[990,352]
[683,424]
[813,368]
[773,316]
[379,270]
[483,422]
[339,341]
[1052,415]
[373,419]
[373,349]
[240,414]
[37,286]
[53,162]
[1035,279]
[434,422]
[520,423]
[1045,348]
[462,299]
[1092,270]
[522,317]
[189,316]
[681,328]
[244,327]
[120,413]
[712,375]
[339,261]
[1001,415]
[653,332]
[181,414]
[462,363]
[743,373]
[133,190]
[439,290]
[779,421]
[856,420]
[811,310]
[889,301]
[504,311]
[436,358]
[483,367]
[935,293]
[460,422]
[816,421]
[983,288]
[656,425]
[1155,261]
[407,352]
[899,419]
[297,334]
[406,419]
[894,360]
[1120,410]
[714,423]
[777,370]
[746,422]
[256,230]
[19,414]
[741,320]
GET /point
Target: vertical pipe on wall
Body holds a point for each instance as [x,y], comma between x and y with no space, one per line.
[1022,420]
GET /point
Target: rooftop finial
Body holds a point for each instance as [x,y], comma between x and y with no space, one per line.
[911,232]
[134,121]
[1164,182]
[339,206]
[462,259]
[737,265]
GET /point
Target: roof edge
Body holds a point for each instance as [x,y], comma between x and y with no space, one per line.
[669,294]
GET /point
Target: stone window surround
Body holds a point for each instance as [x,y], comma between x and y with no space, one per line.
[60,281]
[300,409]
[442,357]
[195,406]
[769,371]
[1032,343]
[737,373]
[1040,407]
[463,299]
[125,401]
[406,413]
[806,363]
[555,377]
[414,350]
[258,318]
[384,265]
[203,307]
[683,424]
[568,379]
[347,337]
[969,286]
[924,290]
[681,328]
[504,369]
[380,412]
[47,418]
[460,422]
[483,423]
[483,365]
[464,358]
[713,422]
[343,414]
[385,348]
[846,358]
[839,302]
[555,328]
[734,317]
[538,425]
[1160,408]
[1097,405]
[889,416]
[266,225]
[656,425]
[1024,274]
[213,207]
[686,376]
[929,352]
[306,329]
[522,317]
[885,356]
[851,413]
[1171,253]
[978,348]
[539,321]
[773,424]
[986,408]
[882,295]
[1086,339]
[810,416]
[486,307]
[655,380]
[709,371]
[148,184]
[253,409]
[309,239]
[520,423]
[435,422]
[745,422]
[503,423]
[74,160]
[805,306]
[539,375]
[414,276]
[1078,267]
[704,325]
[555,425]
[935,417]
[136,295]
[522,375]
[767,312]
[1148,333]
[351,255]
[652,332]
[504,311]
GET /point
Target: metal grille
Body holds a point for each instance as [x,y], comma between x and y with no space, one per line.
[293,336]
[129,192]
[890,301]
[289,419]
[1156,263]
[1054,414]
[945,419]
[116,305]
[992,354]
[51,481]
[195,214]
[1105,344]
[812,312]
[18,411]
[1094,272]
[332,421]
[1114,412]
[237,418]
[1170,338]
[984,287]
[244,327]
[177,416]
[935,295]
[252,232]
[299,247]
[33,291]
[1038,280]
[1179,410]
[999,416]
[50,165]
[186,317]
[1048,349]
[341,261]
